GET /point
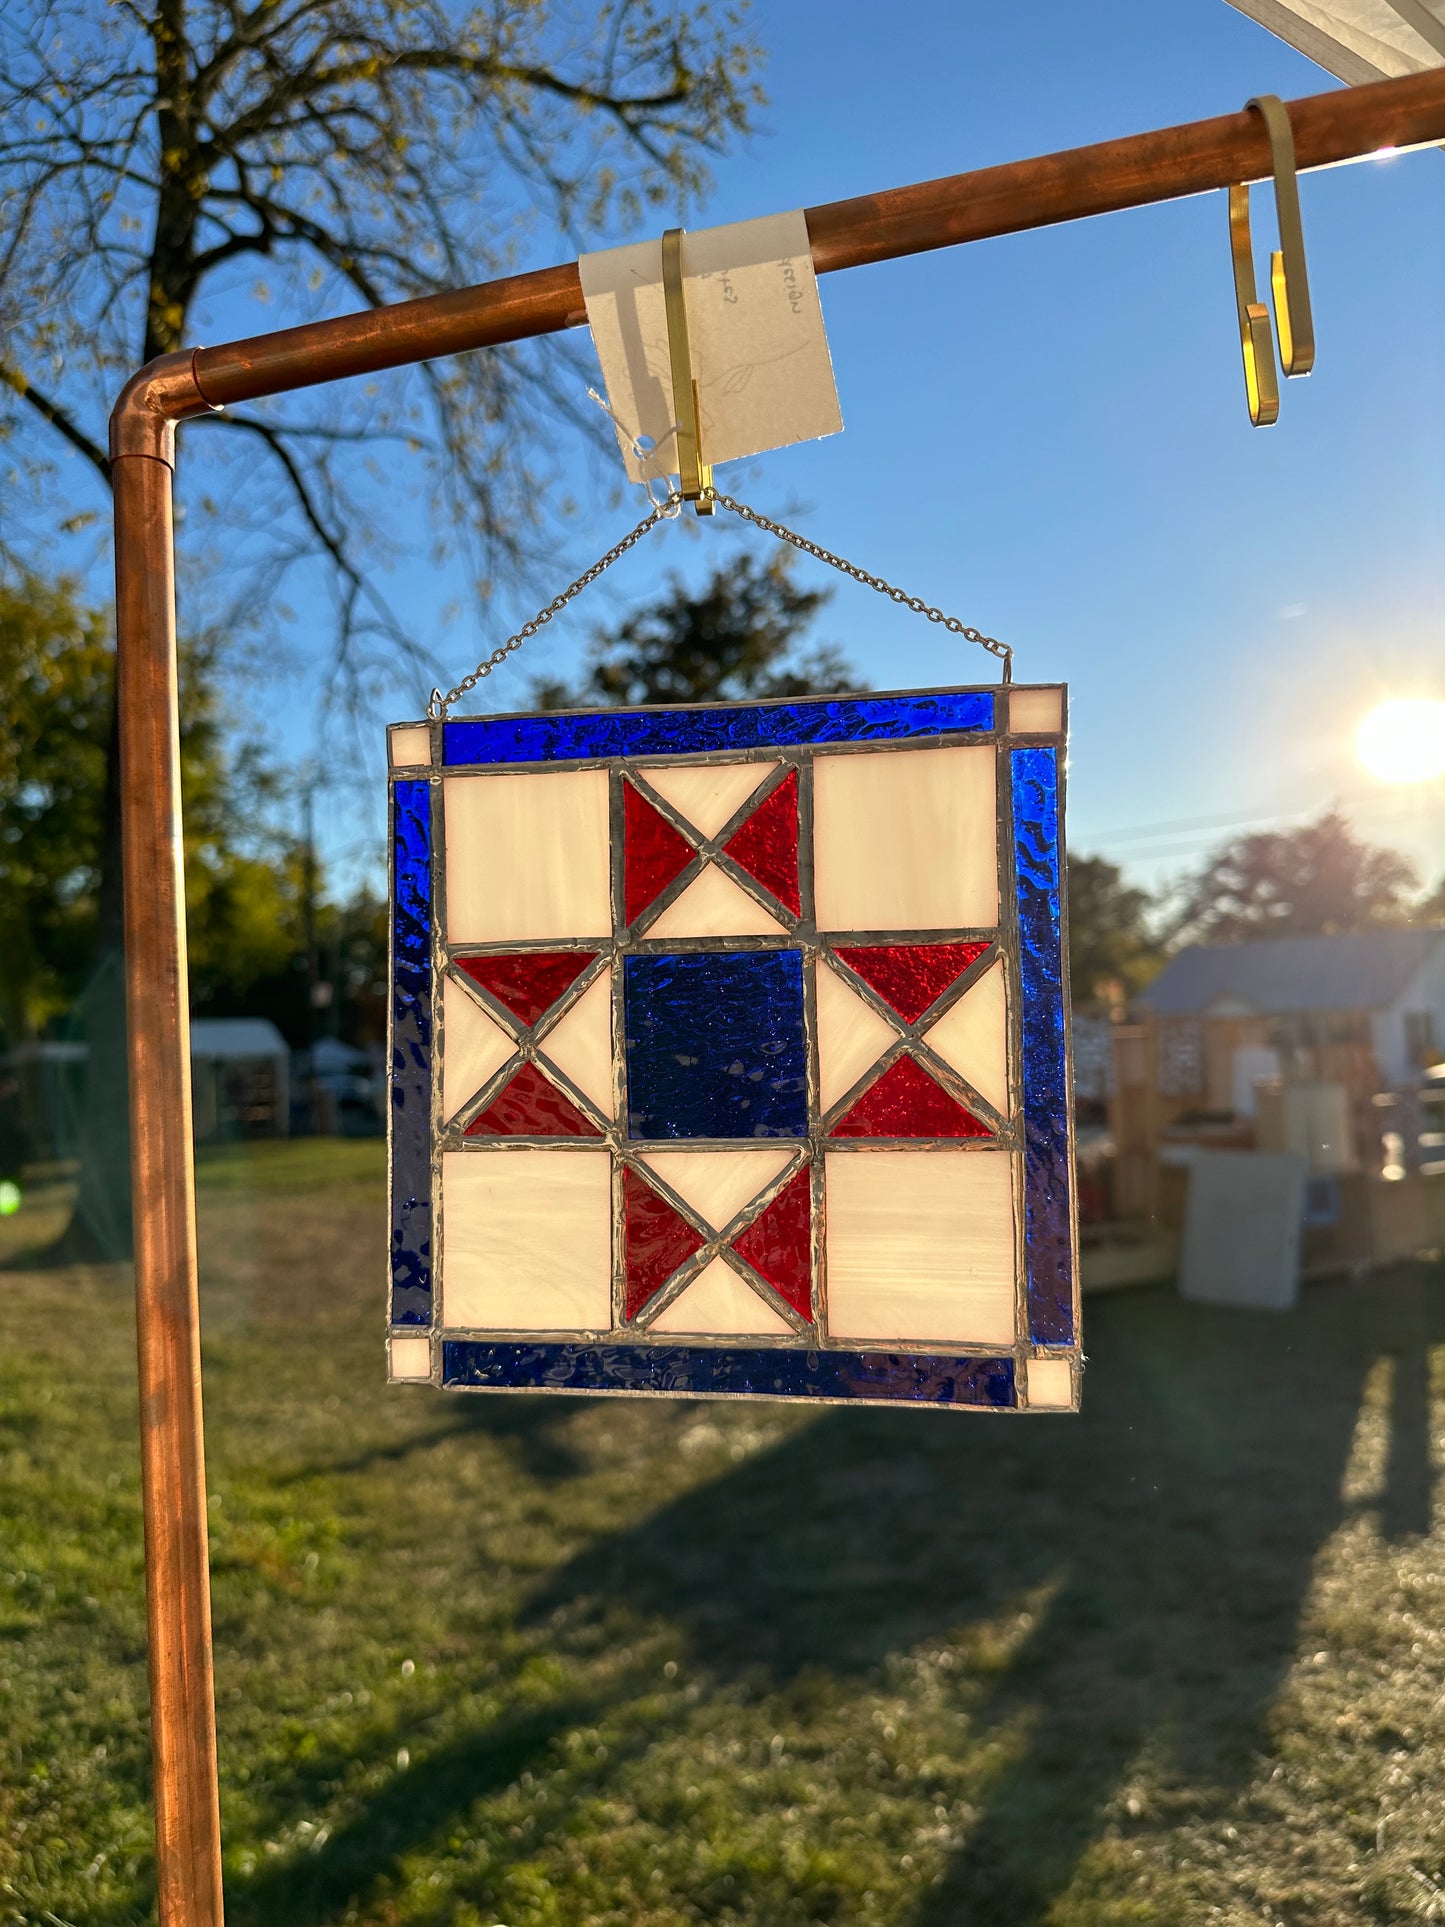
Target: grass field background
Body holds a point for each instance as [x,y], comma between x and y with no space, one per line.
[547,1662]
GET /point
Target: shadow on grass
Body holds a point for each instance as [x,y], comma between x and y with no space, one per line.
[411,1808]
[536,1426]
[1172,1530]
[1167,1539]
[1418,1315]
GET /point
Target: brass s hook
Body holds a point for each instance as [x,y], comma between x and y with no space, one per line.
[1256,339]
[1289,276]
[694,475]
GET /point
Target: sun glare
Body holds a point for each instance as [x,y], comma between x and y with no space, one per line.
[1404,741]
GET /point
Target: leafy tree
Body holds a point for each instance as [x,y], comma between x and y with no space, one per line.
[274,982]
[1113,950]
[157,156]
[736,637]
[55,682]
[244,870]
[1296,883]
[243,874]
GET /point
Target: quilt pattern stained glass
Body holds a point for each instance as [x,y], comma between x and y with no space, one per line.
[730,1052]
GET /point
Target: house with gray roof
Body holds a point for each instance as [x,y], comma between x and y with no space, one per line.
[1381,988]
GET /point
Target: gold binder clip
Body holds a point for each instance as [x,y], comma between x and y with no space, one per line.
[1289,277]
[693,473]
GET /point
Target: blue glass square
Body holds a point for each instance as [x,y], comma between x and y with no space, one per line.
[715,1045]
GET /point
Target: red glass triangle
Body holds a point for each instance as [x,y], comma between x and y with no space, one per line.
[529,1105]
[779,1244]
[767,844]
[910,975]
[657,1240]
[527,984]
[654,852]
[907,1102]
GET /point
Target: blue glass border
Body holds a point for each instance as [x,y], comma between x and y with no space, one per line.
[411,1053]
[1048,1164]
[695,732]
[706,1371]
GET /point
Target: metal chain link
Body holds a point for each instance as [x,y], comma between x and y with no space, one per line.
[951,623]
[665,510]
[662,511]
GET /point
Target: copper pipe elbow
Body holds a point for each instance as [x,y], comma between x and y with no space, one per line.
[164,392]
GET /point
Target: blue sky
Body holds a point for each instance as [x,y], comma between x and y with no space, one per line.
[1046,435]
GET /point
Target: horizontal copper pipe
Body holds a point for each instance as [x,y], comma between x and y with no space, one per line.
[1145,168]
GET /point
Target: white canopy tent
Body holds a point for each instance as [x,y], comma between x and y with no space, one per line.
[1357,40]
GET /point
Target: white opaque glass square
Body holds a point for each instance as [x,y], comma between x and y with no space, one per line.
[408,745]
[527,856]
[1036,712]
[906,840]
[921,1246]
[409,1357]
[527,1240]
[1050,1383]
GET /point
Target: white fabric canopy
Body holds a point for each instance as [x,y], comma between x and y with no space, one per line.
[1357,40]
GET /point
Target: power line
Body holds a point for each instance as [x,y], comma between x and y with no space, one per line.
[1368,801]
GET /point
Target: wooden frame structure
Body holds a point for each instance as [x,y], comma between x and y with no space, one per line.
[1190,159]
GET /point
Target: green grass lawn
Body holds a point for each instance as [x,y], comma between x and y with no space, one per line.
[531,1660]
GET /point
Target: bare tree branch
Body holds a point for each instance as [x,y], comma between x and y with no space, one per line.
[59,420]
[154,152]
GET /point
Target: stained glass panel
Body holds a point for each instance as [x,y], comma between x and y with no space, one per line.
[772,1099]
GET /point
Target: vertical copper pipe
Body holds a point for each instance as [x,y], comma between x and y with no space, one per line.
[178,1592]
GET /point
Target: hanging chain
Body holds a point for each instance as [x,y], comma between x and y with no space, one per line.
[666,510]
[661,511]
[951,623]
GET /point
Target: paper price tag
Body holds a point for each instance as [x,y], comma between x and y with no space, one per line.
[759,351]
